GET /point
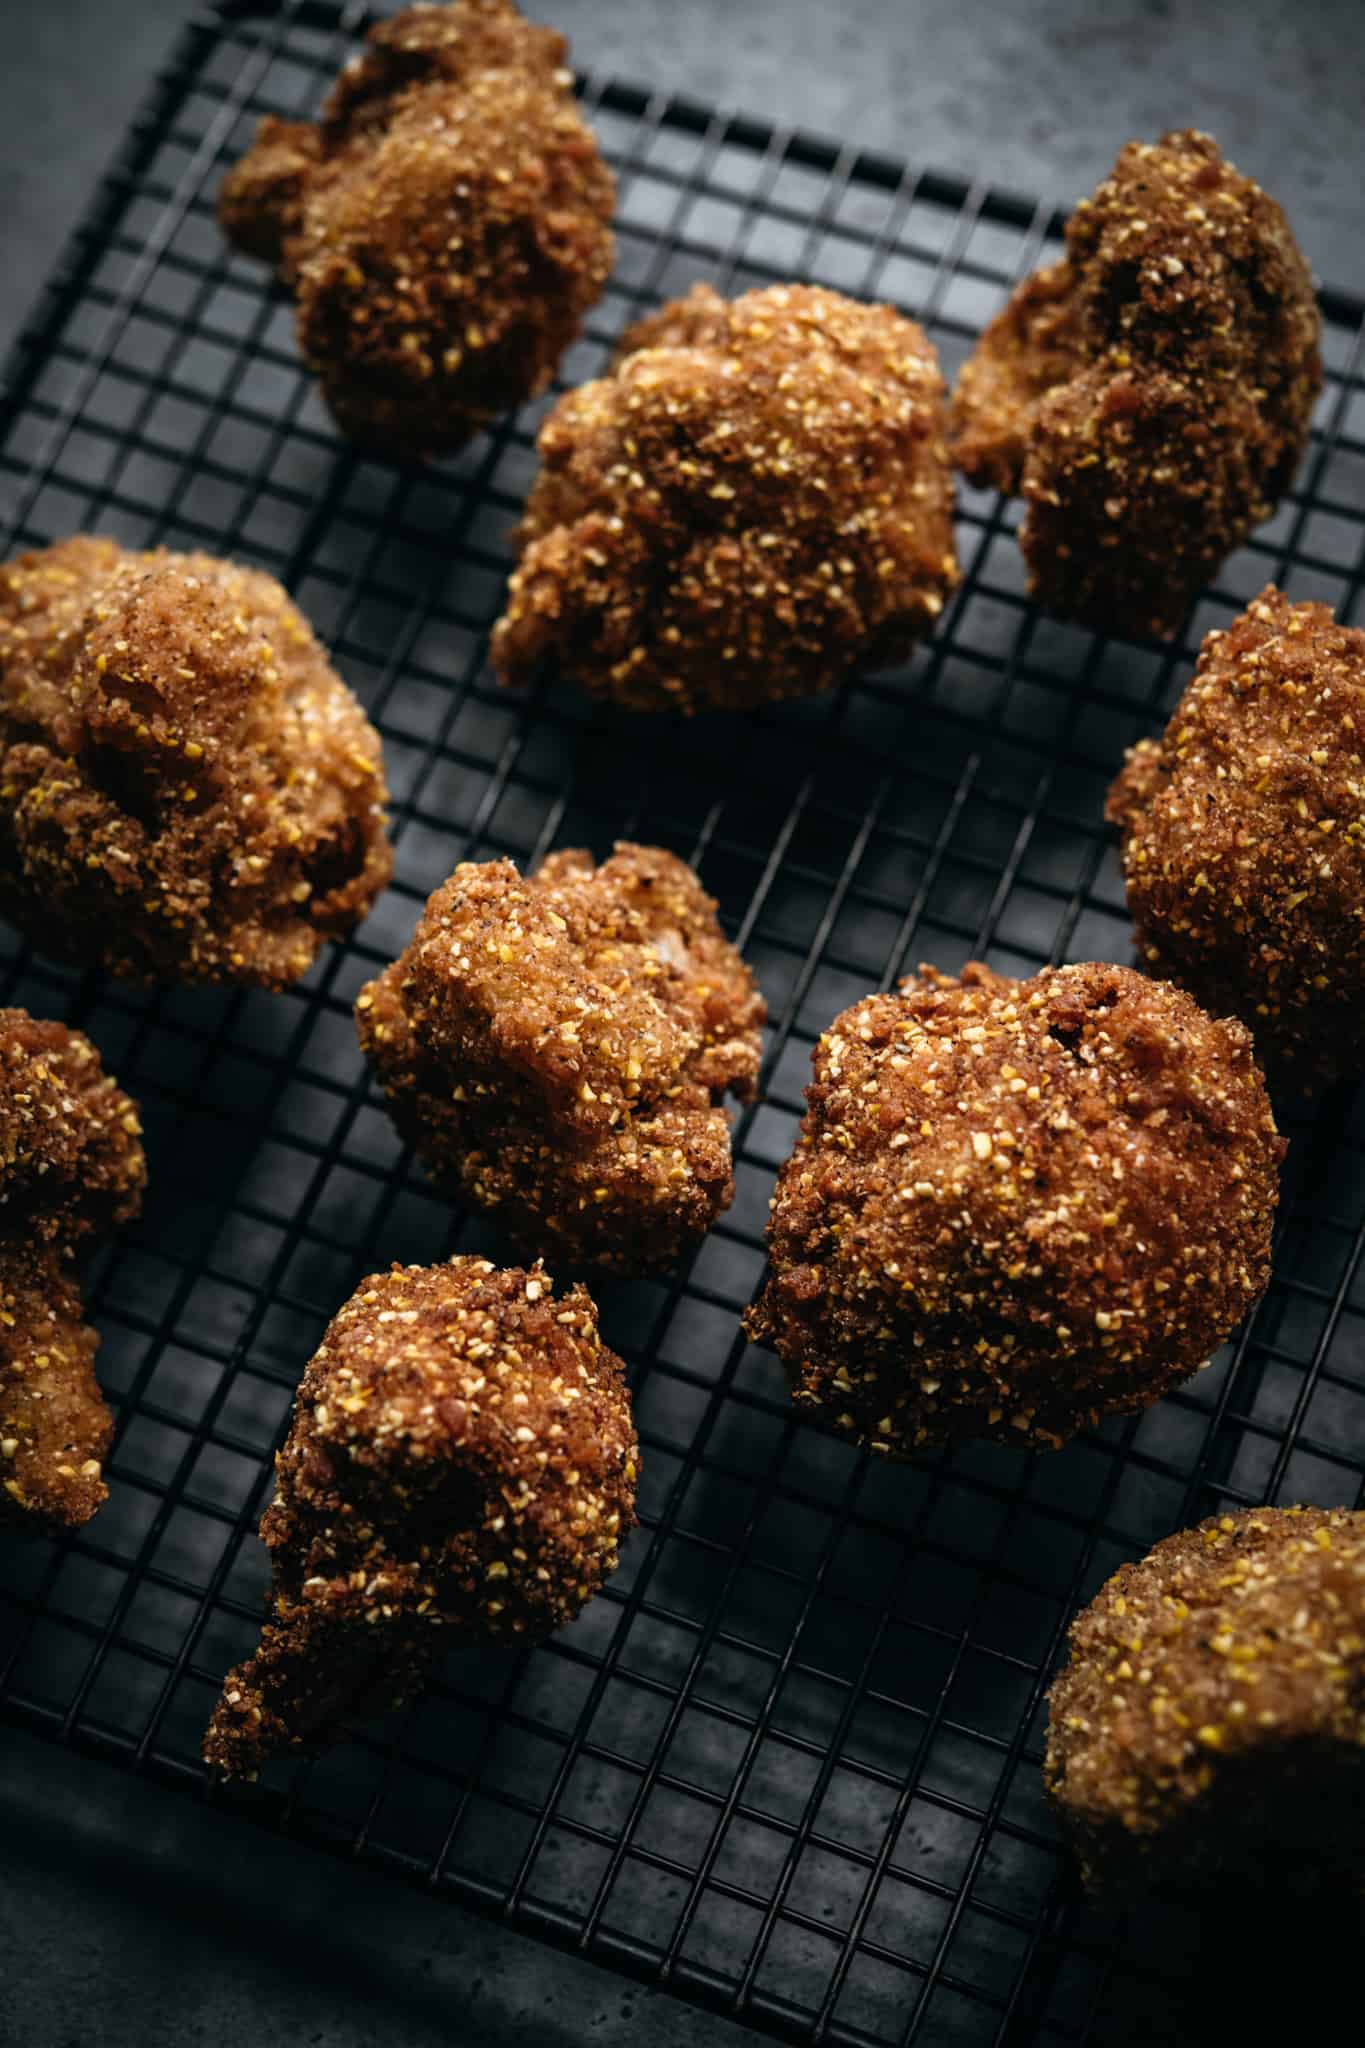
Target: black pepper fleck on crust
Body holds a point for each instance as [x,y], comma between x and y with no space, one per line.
[1017,1206]
[755,501]
[188,792]
[1211,1720]
[558,1048]
[1244,836]
[443,229]
[460,1469]
[71,1167]
[1151,394]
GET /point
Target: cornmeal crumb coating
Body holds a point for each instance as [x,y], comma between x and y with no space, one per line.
[557,1050]
[1017,1206]
[755,501]
[1244,836]
[460,1469]
[188,792]
[444,228]
[1211,1720]
[1151,394]
[71,1167]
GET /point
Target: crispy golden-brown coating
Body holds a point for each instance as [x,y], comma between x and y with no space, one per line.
[1151,394]
[261,201]
[557,1050]
[1211,1720]
[54,1425]
[444,228]
[70,1159]
[460,1469]
[71,1166]
[756,501]
[188,791]
[1017,1206]
[1244,836]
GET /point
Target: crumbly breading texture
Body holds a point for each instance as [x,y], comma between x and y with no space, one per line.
[557,1050]
[71,1161]
[1211,1720]
[54,1424]
[461,1468]
[754,502]
[188,791]
[1149,396]
[443,229]
[1016,1207]
[1244,836]
[71,1166]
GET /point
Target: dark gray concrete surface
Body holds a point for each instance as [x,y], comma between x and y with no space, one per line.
[128,1915]
[1035,96]
[130,1918]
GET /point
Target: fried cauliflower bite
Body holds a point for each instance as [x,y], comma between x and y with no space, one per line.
[754,502]
[1211,1720]
[1244,836]
[444,228]
[1017,1207]
[188,792]
[557,1050]
[460,1470]
[71,1167]
[1150,395]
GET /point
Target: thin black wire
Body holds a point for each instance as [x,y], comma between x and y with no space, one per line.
[100,499]
[817,954]
[770,168]
[821,841]
[164,520]
[1224,1413]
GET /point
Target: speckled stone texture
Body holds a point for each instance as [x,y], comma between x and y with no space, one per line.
[1056,86]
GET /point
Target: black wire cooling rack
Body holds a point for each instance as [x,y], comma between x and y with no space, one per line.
[788,1763]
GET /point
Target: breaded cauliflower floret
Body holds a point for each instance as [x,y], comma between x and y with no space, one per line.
[1151,394]
[557,1051]
[444,227]
[188,792]
[71,1167]
[1017,1207]
[461,1469]
[1210,1723]
[755,502]
[1244,836]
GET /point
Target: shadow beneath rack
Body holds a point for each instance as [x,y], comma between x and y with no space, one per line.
[1248,1963]
[205,1924]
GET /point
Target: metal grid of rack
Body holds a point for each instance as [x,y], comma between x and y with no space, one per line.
[787,1764]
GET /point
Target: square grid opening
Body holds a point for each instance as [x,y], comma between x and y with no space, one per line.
[788,1761]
